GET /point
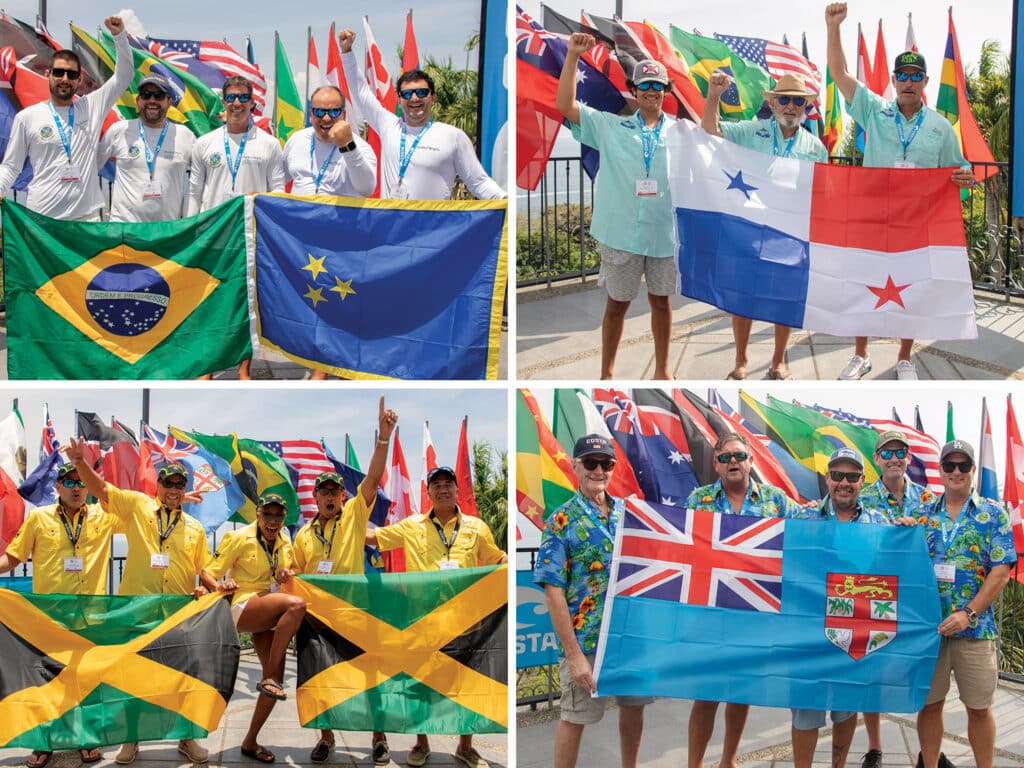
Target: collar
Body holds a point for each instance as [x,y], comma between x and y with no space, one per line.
[895,105]
[973,500]
[59,508]
[457,517]
[826,507]
[753,490]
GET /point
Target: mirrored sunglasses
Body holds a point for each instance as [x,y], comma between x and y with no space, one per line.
[916,77]
[420,93]
[888,453]
[650,85]
[67,482]
[725,458]
[231,98]
[70,74]
[850,477]
[324,111]
[798,101]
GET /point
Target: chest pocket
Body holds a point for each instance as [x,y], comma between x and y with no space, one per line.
[465,544]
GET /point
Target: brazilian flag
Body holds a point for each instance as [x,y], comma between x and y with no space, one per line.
[405,652]
[162,300]
[102,670]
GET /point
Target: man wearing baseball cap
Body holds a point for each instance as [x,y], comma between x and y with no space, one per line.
[903,133]
[152,155]
[632,217]
[167,549]
[333,541]
[733,493]
[971,545]
[573,564]
[779,135]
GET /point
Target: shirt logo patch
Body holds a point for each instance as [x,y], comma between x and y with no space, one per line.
[214,160]
[133,151]
[763,133]
[46,132]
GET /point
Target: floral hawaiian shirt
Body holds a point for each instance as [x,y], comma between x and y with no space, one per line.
[825,511]
[762,500]
[575,554]
[876,496]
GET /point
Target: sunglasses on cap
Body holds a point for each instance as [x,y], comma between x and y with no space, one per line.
[70,74]
[902,77]
[324,111]
[420,93]
[151,95]
[651,85]
[68,482]
[850,477]
[798,101]
[725,458]
[176,484]
[231,98]
[964,466]
[591,464]
[888,453]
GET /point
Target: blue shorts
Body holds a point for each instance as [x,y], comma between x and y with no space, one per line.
[812,719]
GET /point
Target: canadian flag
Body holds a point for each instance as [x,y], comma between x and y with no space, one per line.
[380,83]
[467,497]
[429,463]
[1013,486]
[399,490]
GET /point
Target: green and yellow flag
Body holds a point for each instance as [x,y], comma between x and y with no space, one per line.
[544,476]
[93,671]
[404,652]
[288,114]
[162,300]
[266,472]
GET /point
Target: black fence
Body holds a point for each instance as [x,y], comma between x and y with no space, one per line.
[553,241]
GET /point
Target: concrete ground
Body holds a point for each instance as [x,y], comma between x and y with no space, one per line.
[282,735]
[559,337]
[766,738]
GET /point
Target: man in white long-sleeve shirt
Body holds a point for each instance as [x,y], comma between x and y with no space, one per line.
[327,158]
[61,136]
[419,157]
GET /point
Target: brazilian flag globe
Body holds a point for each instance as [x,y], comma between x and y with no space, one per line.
[156,300]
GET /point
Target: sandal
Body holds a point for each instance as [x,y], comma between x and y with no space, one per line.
[260,754]
[38,758]
[267,688]
[90,755]
[739,373]
[321,751]
[779,374]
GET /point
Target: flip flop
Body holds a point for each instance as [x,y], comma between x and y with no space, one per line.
[779,374]
[91,755]
[38,758]
[266,687]
[739,373]
[260,754]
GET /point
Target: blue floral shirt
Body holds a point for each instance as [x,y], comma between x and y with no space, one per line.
[575,554]
[879,498]
[762,500]
[825,511]
[979,539]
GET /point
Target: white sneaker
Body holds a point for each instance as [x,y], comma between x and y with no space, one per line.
[855,369]
[906,370]
[193,750]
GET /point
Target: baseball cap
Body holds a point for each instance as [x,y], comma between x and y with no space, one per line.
[909,60]
[328,477]
[846,454]
[437,471]
[173,468]
[592,444]
[157,82]
[648,71]
[65,469]
[957,446]
[890,436]
[272,498]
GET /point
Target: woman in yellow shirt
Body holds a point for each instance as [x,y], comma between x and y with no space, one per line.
[257,559]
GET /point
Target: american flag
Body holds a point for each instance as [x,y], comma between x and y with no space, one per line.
[220,55]
[779,60]
[308,459]
[699,558]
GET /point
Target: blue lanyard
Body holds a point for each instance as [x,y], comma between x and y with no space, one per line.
[403,158]
[233,167]
[327,162]
[899,130]
[603,527]
[151,156]
[649,137]
[948,537]
[65,136]
[775,140]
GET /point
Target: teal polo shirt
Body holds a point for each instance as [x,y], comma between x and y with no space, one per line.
[934,146]
[758,135]
[622,220]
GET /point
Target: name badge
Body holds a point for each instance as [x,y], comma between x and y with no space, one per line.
[160,560]
[945,572]
[275,587]
[449,565]
[71,173]
[646,187]
[73,565]
[324,566]
[152,190]
[401,191]
[904,164]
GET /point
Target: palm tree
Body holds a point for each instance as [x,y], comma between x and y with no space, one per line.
[491,489]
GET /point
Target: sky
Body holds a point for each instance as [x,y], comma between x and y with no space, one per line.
[296,412]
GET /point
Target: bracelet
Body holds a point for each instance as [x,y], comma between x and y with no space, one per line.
[383,442]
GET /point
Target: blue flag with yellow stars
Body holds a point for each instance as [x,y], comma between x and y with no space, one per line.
[370,289]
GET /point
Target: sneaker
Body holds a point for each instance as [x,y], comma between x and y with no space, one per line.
[126,754]
[906,370]
[381,752]
[855,369]
[193,750]
[944,762]
[873,759]
[469,758]
[418,756]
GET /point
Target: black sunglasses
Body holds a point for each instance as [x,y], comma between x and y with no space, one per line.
[964,466]
[725,458]
[591,464]
[176,484]
[70,74]
[850,477]
[151,95]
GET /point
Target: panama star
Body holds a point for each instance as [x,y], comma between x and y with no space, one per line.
[889,292]
[737,182]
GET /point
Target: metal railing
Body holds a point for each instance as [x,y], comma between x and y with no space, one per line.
[553,241]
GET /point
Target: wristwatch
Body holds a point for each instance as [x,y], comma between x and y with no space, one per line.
[972,616]
[348,147]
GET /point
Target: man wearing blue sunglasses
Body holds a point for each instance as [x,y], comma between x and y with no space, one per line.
[903,133]
[778,135]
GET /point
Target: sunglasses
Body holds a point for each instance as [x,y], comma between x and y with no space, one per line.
[176,484]
[324,111]
[725,458]
[274,518]
[798,101]
[420,93]
[591,464]
[888,453]
[902,77]
[333,491]
[151,95]
[651,86]
[231,98]
[67,482]
[850,477]
[963,466]
[59,72]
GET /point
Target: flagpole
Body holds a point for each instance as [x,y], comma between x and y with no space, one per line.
[1016,86]
[309,44]
[145,406]
[277,81]
[42,10]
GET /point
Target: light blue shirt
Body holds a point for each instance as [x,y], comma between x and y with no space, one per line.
[622,220]
[757,135]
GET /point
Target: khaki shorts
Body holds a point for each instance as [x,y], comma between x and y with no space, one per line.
[621,272]
[974,664]
[579,707]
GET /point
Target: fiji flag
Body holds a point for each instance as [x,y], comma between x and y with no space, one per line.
[779,613]
[372,289]
[839,250]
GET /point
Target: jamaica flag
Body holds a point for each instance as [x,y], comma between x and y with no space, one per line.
[125,301]
[405,652]
[93,671]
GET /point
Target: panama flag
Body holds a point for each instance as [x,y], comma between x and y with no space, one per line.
[838,250]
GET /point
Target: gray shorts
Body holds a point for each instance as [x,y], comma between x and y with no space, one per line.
[813,719]
[579,707]
[621,272]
